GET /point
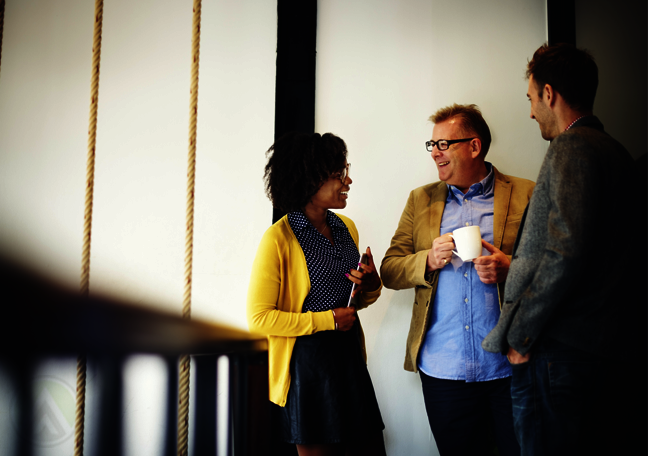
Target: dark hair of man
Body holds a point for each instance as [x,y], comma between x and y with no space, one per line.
[570,71]
[472,122]
[298,165]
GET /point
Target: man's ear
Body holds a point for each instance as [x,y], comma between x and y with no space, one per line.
[475,147]
[548,95]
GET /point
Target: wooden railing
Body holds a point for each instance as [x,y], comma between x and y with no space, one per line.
[40,320]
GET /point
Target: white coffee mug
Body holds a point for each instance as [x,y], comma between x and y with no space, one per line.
[468,242]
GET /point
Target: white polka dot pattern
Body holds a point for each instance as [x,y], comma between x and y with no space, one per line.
[327,264]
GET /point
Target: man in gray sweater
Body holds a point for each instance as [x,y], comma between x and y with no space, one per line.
[569,281]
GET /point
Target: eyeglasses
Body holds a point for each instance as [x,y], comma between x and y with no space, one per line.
[443,144]
[342,175]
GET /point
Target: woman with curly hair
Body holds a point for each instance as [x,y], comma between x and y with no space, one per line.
[302,278]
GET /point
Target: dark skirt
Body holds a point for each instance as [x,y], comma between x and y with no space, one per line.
[331,398]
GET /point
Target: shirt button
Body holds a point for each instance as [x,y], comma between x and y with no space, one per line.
[466,300]
[465,274]
[467,327]
[467,224]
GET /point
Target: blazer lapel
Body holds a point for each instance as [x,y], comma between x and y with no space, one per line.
[438,198]
[519,233]
[500,207]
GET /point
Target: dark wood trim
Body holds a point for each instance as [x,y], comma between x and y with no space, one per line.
[561,21]
[295,80]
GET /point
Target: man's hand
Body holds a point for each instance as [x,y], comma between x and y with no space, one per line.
[492,268]
[515,357]
[441,252]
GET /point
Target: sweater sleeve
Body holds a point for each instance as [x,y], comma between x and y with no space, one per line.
[277,291]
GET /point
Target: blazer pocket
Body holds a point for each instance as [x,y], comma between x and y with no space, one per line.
[513,218]
[512,226]
[510,233]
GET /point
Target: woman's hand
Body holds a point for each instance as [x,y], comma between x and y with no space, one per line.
[365,277]
[344,318]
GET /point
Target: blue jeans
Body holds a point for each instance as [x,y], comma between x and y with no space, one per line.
[565,402]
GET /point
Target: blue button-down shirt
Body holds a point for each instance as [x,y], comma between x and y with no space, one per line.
[465,309]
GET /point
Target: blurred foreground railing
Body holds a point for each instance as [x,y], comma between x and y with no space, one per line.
[41,321]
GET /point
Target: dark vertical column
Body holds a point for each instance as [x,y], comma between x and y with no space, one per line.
[561,21]
[21,379]
[171,422]
[110,430]
[258,410]
[206,410]
[295,84]
[2,9]
[238,405]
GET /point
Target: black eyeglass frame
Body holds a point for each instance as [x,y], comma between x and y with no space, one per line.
[342,175]
[429,145]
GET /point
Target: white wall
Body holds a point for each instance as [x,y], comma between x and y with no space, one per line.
[138,238]
[383,67]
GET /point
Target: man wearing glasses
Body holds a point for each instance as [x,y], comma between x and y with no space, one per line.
[466,389]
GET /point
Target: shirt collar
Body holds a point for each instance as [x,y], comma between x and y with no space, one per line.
[485,187]
[573,122]
[299,222]
[334,221]
[588,121]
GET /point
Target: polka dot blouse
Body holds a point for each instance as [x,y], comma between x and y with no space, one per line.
[327,264]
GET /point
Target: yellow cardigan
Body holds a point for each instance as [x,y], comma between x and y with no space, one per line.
[278,287]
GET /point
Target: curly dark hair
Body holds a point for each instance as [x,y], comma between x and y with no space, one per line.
[572,72]
[298,164]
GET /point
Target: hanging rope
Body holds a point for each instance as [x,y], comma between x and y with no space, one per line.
[87,220]
[183,393]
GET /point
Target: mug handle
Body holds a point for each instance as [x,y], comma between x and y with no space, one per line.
[452,237]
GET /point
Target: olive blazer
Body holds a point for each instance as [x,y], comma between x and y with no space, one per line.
[404,263]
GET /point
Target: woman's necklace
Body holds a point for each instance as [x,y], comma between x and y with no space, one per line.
[329,237]
[324,230]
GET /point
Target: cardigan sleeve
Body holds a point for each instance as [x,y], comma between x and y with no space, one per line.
[277,291]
